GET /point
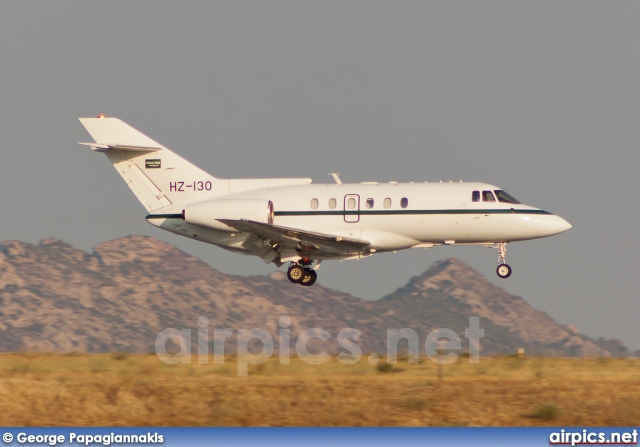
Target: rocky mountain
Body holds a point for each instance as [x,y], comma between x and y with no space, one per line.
[54,297]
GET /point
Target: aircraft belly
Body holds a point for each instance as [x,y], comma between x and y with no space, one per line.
[490,228]
[385,233]
[461,228]
[223,239]
[404,231]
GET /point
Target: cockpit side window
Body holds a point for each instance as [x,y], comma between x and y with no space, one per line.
[487,196]
[475,196]
[505,198]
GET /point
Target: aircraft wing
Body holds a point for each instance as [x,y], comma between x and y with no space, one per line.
[304,240]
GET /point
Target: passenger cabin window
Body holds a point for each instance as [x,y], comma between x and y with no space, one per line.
[369,203]
[475,196]
[387,203]
[351,203]
[487,196]
[332,204]
[404,202]
[505,198]
[314,204]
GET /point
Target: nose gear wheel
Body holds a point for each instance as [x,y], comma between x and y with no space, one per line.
[504,270]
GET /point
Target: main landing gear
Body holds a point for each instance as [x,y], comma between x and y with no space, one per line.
[302,273]
[503,270]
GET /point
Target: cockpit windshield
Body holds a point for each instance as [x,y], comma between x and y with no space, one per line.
[505,198]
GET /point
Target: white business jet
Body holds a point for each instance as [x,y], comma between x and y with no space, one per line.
[292,220]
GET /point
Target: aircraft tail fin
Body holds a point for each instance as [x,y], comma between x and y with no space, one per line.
[157,176]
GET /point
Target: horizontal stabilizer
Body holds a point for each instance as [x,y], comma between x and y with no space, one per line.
[98,147]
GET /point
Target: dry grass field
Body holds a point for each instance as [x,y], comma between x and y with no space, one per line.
[138,390]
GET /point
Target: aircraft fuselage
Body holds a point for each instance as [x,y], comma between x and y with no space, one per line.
[392,216]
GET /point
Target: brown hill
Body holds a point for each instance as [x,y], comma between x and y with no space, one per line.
[54,297]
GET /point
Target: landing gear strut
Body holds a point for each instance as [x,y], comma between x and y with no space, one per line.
[503,270]
[302,273]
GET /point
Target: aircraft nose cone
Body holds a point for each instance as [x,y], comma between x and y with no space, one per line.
[551,225]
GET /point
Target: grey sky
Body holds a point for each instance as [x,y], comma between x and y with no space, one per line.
[540,98]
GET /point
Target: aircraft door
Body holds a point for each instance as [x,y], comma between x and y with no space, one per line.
[352,208]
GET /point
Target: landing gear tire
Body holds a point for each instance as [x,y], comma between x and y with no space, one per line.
[504,271]
[310,278]
[296,274]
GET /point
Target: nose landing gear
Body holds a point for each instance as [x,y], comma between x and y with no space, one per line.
[302,273]
[504,270]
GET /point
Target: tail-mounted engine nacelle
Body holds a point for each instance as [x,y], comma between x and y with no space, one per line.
[207,213]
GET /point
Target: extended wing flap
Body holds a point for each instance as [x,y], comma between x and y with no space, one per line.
[291,237]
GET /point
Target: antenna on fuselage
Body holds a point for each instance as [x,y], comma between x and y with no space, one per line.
[336,177]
